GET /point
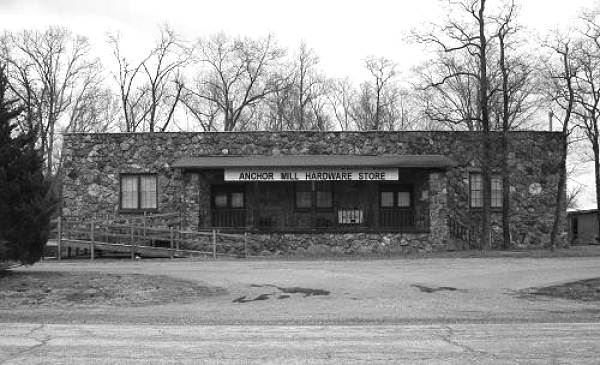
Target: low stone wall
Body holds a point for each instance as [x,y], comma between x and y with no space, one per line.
[335,244]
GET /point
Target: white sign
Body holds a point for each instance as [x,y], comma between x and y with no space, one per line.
[311,174]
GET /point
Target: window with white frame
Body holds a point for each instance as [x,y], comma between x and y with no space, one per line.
[138,192]
[476,191]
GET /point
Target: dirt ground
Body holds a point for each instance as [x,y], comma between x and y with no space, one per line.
[586,290]
[31,289]
[425,290]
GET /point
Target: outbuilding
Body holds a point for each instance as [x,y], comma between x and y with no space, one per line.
[583,227]
[350,191]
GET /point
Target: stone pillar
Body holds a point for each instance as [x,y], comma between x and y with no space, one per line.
[438,209]
[190,207]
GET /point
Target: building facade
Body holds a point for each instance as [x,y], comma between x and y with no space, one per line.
[348,192]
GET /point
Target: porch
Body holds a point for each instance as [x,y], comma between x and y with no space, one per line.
[334,220]
[315,194]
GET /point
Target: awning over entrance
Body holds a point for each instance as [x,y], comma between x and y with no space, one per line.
[403,161]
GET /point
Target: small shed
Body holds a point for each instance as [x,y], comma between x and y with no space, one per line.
[583,227]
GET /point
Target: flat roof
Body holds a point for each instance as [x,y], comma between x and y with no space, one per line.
[582,212]
[212,162]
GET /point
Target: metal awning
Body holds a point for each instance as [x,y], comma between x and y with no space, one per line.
[216,162]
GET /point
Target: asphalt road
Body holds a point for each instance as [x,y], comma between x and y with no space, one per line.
[556,343]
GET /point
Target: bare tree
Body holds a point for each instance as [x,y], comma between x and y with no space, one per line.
[151,89]
[47,70]
[308,87]
[514,76]
[204,112]
[561,75]
[237,75]
[378,94]
[342,97]
[132,99]
[96,109]
[468,37]
[320,119]
[453,101]
[376,105]
[163,85]
[587,90]
[280,104]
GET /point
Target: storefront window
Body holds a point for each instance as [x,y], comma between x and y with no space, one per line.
[321,197]
[403,199]
[228,197]
[395,196]
[303,195]
[324,195]
[387,199]
[220,200]
[237,200]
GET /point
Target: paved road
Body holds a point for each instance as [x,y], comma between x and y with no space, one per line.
[556,343]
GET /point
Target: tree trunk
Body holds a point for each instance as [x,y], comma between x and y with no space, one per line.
[560,199]
[505,192]
[562,174]
[128,123]
[50,149]
[485,122]
[152,114]
[486,193]
[301,101]
[505,128]
[597,175]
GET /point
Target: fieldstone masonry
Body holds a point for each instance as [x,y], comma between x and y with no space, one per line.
[93,162]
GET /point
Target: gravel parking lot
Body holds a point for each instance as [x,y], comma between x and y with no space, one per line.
[429,290]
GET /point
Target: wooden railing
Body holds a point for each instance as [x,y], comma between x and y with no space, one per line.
[104,235]
[462,232]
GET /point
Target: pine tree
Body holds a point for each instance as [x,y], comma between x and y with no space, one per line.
[26,199]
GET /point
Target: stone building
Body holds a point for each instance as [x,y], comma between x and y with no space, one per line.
[348,192]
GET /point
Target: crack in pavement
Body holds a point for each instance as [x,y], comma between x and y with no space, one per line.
[448,338]
[42,342]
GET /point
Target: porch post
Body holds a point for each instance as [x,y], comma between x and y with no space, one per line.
[438,213]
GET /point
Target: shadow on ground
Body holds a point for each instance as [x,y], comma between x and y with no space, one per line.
[283,293]
[585,290]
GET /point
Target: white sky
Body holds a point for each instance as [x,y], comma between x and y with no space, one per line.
[342,33]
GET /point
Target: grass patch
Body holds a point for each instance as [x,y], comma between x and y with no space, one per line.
[585,290]
[65,289]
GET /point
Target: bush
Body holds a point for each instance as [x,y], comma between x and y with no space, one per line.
[26,198]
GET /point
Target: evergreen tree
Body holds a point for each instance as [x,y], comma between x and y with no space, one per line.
[26,199]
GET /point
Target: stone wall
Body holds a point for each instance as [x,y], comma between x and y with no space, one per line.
[93,162]
[333,244]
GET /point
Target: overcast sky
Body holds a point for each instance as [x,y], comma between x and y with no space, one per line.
[342,33]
